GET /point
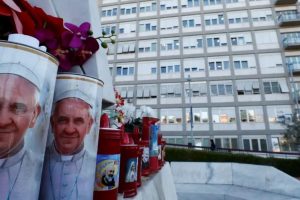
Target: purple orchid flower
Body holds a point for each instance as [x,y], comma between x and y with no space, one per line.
[64,58]
[47,38]
[79,33]
[88,48]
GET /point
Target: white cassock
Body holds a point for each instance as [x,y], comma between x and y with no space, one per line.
[67,177]
[20,176]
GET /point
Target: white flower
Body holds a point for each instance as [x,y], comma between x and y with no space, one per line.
[146,111]
[128,111]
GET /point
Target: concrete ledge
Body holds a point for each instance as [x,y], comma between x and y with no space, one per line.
[265,178]
[257,177]
[158,186]
[205,173]
[225,192]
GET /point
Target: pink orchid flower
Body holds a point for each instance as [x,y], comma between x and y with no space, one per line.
[79,33]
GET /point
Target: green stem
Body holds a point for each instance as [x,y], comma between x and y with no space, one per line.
[83,71]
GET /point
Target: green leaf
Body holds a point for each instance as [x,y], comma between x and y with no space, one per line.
[90,33]
[104,45]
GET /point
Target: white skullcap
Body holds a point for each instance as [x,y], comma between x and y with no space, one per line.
[22,71]
[75,94]
[21,56]
[76,86]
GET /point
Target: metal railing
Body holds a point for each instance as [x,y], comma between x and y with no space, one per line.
[265,154]
[290,41]
[288,17]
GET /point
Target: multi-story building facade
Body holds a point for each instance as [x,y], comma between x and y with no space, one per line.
[234,62]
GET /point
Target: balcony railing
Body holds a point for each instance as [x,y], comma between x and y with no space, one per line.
[296,96]
[284,2]
[291,43]
[294,67]
[289,19]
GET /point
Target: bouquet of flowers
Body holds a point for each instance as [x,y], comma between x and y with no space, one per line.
[119,114]
[125,114]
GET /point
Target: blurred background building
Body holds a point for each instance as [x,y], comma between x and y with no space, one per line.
[238,59]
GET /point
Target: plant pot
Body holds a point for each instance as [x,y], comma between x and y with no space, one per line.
[27,77]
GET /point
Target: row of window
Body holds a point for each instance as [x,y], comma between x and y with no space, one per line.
[268,63]
[281,115]
[216,88]
[236,19]
[254,143]
[277,115]
[239,41]
[166,6]
[173,69]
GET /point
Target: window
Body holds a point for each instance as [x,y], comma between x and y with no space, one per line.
[146,91]
[193,69]
[148,47]
[218,65]
[212,2]
[124,48]
[214,42]
[148,7]
[126,92]
[261,16]
[125,71]
[153,70]
[241,64]
[223,115]
[238,20]
[232,1]
[166,5]
[192,42]
[109,28]
[171,116]
[128,11]
[189,23]
[119,71]
[280,114]
[170,90]
[200,115]
[169,24]
[147,26]
[109,12]
[216,20]
[247,115]
[127,28]
[226,142]
[237,41]
[197,89]
[247,87]
[194,65]
[255,144]
[193,3]
[272,87]
[251,114]
[169,45]
[221,89]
